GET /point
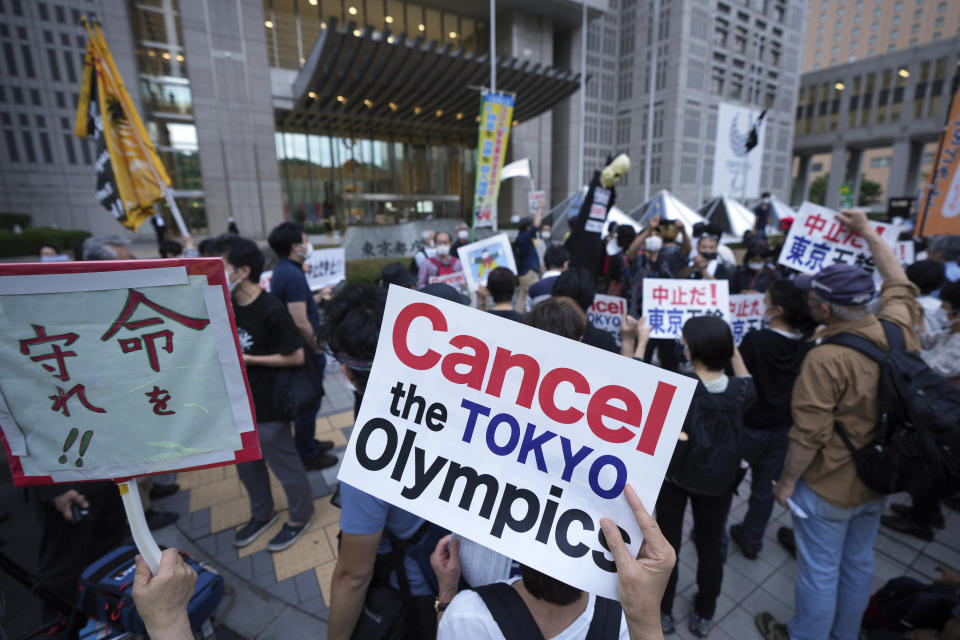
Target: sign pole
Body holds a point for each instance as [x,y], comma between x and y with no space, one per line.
[651,93]
[142,537]
[583,92]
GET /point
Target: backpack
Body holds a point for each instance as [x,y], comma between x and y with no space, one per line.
[106,592]
[708,462]
[917,443]
[388,612]
[414,269]
[442,269]
[904,603]
[513,617]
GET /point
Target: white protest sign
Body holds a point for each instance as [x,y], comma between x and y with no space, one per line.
[482,425]
[483,256]
[605,314]
[536,200]
[327,267]
[905,252]
[817,240]
[668,304]
[265,279]
[120,368]
[746,314]
[456,280]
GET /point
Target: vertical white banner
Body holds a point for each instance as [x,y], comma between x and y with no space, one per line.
[736,171]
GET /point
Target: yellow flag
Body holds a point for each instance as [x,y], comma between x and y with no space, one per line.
[130,176]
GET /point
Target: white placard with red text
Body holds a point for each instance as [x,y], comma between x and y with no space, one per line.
[905,252]
[117,369]
[456,280]
[817,240]
[519,439]
[668,304]
[746,314]
[325,267]
[605,314]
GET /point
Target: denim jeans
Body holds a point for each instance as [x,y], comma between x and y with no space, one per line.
[834,566]
[305,426]
[765,450]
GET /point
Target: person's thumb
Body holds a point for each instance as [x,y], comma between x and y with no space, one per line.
[141,575]
[621,555]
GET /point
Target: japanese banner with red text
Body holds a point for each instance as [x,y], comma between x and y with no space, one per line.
[668,304]
[118,369]
[605,313]
[496,115]
[746,314]
[817,240]
[515,438]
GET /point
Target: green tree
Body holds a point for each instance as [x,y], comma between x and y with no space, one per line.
[818,190]
[870,192]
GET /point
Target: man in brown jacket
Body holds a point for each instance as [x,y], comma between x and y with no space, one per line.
[838,385]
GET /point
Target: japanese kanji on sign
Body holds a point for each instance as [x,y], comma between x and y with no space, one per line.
[120,369]
[817,240]
[668,304]
[326,267]
[746,314]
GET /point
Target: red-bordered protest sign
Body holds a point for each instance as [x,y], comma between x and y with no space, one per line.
[746,314]
[119,369]
[669,303]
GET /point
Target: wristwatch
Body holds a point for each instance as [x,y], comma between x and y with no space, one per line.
[438,606]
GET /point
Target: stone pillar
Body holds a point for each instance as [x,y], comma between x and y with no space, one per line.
[801,189]
[837,175]
[853,173]
[898,184]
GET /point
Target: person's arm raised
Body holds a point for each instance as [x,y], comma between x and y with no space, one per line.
[883,257]
[642,580]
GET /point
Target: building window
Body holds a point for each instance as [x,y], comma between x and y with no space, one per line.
[873,40]
[898,6]
[823,17]
[836,36]
[875,26]
[820,30]
[938,23]
[937,35]
[915,29]
[853,44]
[942,7]
[918,14]
[856,19]
[894,34]
[855,32]
[892,46]
[877,12]
[852,58]
[896,20]
[835,50]
[819,43]
[913,42]
[880,162]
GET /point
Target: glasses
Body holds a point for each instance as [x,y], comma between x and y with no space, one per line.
[351,363]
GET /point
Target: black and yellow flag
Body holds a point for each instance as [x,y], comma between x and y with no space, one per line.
[130,176]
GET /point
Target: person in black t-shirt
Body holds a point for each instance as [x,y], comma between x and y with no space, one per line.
[501,284]
[773,356]
[269,340]
[580,286]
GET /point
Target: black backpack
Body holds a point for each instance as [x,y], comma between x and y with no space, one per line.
[917,443]
[513,617]
[708,461]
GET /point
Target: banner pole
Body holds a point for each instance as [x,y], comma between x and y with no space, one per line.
[175,210]
[142,537]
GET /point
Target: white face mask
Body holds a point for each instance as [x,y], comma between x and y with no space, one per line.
[443,249]
[755,266]
[430,251]
[305,251]
[544,235]
[765,201]
[463,234]
[653,243]
[231,284]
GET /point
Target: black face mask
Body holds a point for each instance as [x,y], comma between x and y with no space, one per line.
[709,256]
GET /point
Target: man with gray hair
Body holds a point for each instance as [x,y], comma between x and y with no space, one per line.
[107,247]
[946,249]
[836,517]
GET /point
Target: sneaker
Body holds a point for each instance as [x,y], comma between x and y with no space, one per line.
[667,623]
[769,627]
[323,445]
[698,625]
[736,533]
[158,491]
[252,530]
[786,540]
[907,526]
[320,461]
[159,519]
[905,511]
[287,536]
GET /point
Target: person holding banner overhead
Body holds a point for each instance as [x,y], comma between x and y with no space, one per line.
[528,266]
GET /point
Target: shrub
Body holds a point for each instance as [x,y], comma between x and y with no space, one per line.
[28,243]
[8,220]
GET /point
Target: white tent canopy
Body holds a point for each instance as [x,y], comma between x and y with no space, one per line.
[781,210]
[666,205]
[729,215]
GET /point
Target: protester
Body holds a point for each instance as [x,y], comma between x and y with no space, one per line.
[463,238]
[162,599]
[427,250]
[159,227]
[171,249]
[556,260]
[838,385]
[714,423]
[270,341]
[754,275]
[367,523]
[705,264]
[946,250]
[108,247]
[616,266]
[773,357]
[941,349]
[543,241]
[47,254]
[929,276]
[528,264]
[289,285]
[674,256]
[440,265]
[396,273]
[762,212]
[579,285]
[501,284]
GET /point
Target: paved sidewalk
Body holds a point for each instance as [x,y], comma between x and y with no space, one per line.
[287,594]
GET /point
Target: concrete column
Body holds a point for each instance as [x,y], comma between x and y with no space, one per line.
[853,173]
[838,165]
[913,167]
[802,188]
[898,184]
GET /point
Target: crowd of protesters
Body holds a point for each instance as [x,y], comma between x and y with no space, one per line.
[770,404]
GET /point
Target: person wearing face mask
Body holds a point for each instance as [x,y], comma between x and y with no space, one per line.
[289,285]
[428,250]
[269,340]
[463,237]
[762,213]
[705,264]
[773,356]
[754,275]
[616,267]
[529,267]
[440,265]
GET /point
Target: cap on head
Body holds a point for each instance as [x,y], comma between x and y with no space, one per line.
[398,274]
[842,284]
